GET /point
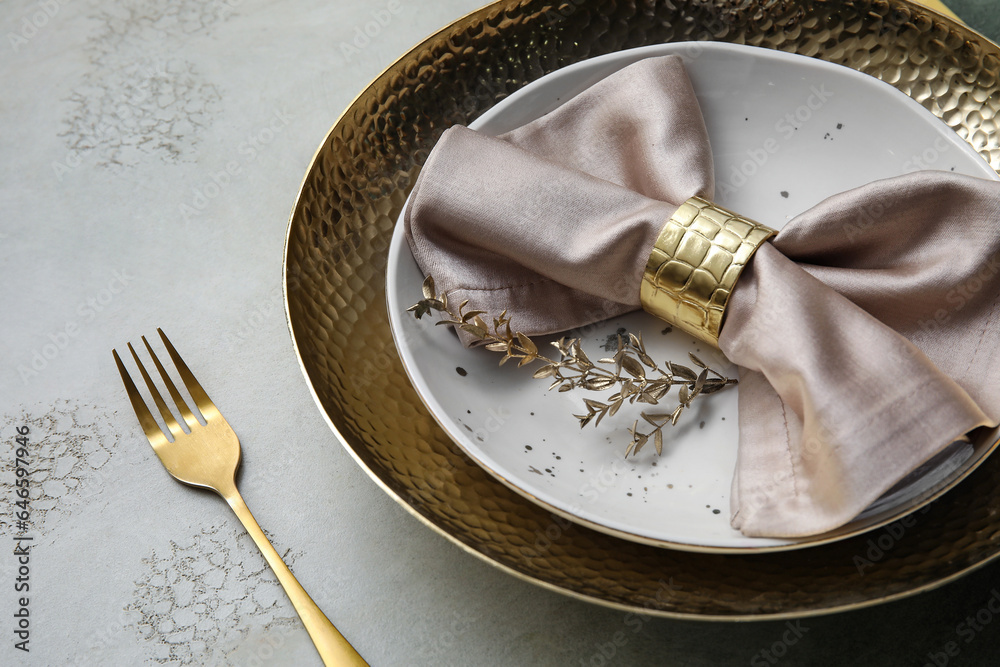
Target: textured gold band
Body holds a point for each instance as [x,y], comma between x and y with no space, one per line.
[694,265]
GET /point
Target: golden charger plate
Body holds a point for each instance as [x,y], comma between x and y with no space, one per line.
[335,261]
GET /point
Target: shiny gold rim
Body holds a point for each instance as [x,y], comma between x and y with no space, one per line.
[334,291]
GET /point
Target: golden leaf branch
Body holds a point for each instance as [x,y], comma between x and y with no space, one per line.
[631,371]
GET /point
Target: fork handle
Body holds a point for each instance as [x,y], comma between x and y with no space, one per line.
[333,648]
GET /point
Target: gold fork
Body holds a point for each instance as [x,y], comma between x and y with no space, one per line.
[207,456]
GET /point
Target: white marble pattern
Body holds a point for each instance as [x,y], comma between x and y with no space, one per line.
[198,600]
[131,102]
[71,448]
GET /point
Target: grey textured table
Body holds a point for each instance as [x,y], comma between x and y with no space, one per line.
[151,153]
[983,15]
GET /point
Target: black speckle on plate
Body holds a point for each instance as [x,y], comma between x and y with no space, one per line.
[701,425]
[784,193]
[667,329]
[611,341]
[461,371]
[716,511]
[528,447]
[840,126]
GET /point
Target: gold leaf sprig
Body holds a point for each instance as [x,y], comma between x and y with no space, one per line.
[636,376]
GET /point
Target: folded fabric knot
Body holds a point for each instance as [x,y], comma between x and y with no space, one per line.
[850,375]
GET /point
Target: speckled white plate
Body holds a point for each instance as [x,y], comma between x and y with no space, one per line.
[787,131]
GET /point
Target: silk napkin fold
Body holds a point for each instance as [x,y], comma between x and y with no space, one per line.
[863,351]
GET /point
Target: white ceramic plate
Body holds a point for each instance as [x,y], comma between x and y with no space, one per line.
[786,131]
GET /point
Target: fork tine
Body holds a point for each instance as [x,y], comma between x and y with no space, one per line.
[186,413]
[201,399]
[149,425]
[168,418]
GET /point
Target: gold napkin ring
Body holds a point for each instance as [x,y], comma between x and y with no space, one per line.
[694,265]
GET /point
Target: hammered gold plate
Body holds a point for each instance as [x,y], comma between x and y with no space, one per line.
[335,260]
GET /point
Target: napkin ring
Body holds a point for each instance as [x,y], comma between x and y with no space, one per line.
[694,265]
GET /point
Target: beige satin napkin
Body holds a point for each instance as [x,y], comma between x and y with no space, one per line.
[864,348]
